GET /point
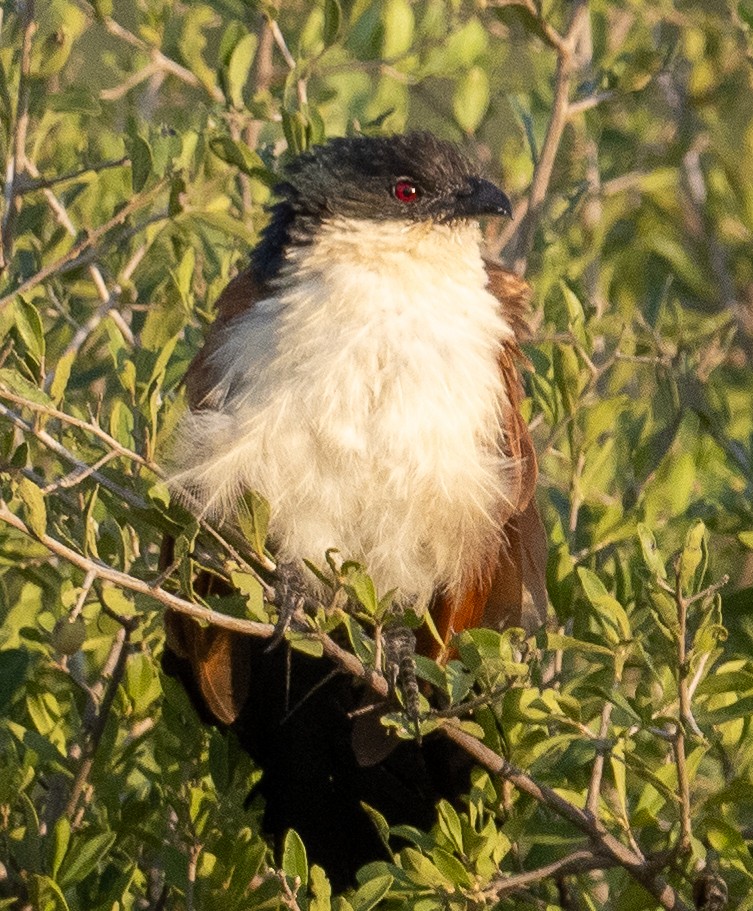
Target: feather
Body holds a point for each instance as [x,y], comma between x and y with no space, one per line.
[512,586]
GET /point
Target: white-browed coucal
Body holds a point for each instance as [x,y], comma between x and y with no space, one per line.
[362,376]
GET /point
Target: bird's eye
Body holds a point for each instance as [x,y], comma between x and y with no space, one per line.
[405,191]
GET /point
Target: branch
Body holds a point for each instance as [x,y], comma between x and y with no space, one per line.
[519,248]
[84,470]
[597,771]
[131,583]
[678,743]
[578,862]
[106,688]
[159,61]
[27,185]
[17,158]
[289,60]
[87,426]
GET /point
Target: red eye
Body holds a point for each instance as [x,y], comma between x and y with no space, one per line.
[405,191]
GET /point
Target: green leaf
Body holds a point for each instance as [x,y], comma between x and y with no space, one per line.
[295,127]
[142,166]
[359,585]
[85,853]
[471,99]
[35,510]
[694,558]
[294,860]
[252,513]
[332,20]
[239,67]
[46,894]
[320,890]
[559,641]
[61,836]
[29,327]
[740,708]
[371,893]
[61,376]
[13,666]
[238,155]
[397,28]
[449,823]
[610,612]
[17,384]
[651,556]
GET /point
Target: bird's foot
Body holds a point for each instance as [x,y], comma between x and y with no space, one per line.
[400,670]
[291,595]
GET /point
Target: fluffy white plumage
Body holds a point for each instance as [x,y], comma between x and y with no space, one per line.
[363,401]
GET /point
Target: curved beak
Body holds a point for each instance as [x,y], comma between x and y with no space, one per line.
[482,197]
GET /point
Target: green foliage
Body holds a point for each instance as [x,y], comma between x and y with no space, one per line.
[150,135]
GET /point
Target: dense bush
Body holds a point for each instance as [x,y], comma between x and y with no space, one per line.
[139,142]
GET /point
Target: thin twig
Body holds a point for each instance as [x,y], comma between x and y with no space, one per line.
[597,770]
[27,185]
[520,247]
[89,241]
[290,61]
[107,686]
[17,158]
[128,496]
[578,862]
[87,426]
[130,583]
[160,60]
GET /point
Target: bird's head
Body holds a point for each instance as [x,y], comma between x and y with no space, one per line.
[413,178]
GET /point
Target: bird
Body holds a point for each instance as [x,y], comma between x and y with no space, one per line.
[362,374]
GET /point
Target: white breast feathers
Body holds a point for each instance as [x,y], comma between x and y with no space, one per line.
[363,400]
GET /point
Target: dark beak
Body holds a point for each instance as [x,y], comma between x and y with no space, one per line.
[481,197]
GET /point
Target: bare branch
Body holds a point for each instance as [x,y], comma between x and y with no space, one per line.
[289,60]
[159,61]
[587,104]
[130,583]
[578,862]
[597,771]
[118,91]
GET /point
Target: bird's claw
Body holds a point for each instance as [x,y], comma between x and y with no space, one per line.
[291,595]
[400,670]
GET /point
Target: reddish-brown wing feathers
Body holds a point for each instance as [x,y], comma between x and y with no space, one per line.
[218,659]
[240,295]
[511,591]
